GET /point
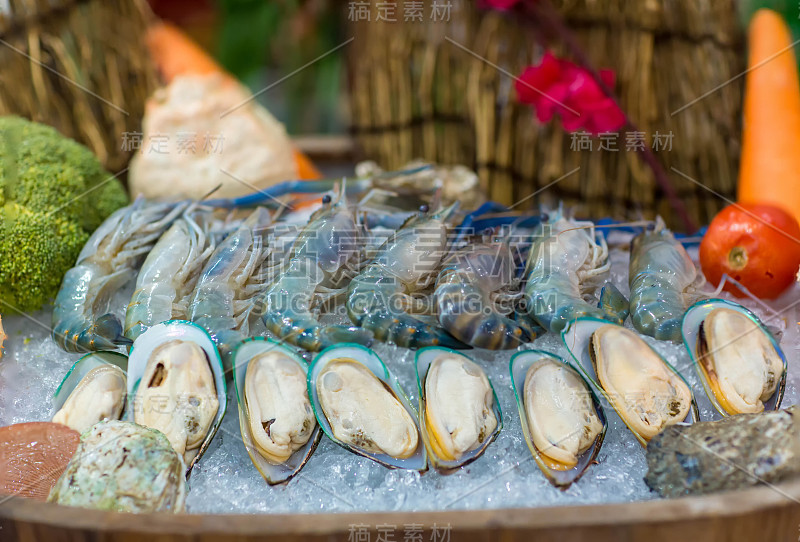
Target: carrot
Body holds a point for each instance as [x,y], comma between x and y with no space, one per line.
[305,168]
[769,172]
[174,53]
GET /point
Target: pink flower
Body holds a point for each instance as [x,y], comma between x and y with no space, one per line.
[503,5]
[559,86]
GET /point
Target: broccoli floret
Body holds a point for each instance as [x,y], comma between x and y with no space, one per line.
[53,194]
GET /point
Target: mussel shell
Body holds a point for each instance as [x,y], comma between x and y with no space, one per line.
[159,334]
[690,329]
[577,337]
[80,369]
[273,474]
[368,358]
[519,365]
[422,362]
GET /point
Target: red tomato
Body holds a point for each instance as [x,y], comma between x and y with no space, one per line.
[758,245]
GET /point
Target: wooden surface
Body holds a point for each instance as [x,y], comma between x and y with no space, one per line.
[761,514]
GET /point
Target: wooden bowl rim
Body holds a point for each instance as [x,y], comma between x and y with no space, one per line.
[717,506]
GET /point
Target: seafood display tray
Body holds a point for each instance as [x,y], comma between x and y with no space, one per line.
[504,487]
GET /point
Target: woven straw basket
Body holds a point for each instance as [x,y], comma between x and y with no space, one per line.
[443,91]
[80,66]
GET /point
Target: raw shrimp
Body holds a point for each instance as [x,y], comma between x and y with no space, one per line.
[566,257]
[168,276]
[321,259]
[225,294]
[472,281]
[660,276]
[108,260]
[378,299]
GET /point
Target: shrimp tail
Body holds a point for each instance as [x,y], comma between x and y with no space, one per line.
[655,308]
[476,324]
[650,319]
[82,335]
[327,336]
[491,331]
[614,303]
[405,330]
[108,328]
[552,306]
[529,326]
[310,335]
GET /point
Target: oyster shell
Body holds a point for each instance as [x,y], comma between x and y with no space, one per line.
[725,454]
[360,406]
[461,416]
[645,390]
[176,384]
[93,390]
[276,420]
[124,467]
[562,420]
[739,363]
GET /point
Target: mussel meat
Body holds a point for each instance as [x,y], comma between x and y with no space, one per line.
[100,395]
[363,412]
[643,390]
[280,414]
[740,362]
[561,416]
[459,413]
[177,395]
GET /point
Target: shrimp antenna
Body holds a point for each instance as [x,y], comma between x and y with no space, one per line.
[195,204]
[506,239]
[609,226]
[342,191]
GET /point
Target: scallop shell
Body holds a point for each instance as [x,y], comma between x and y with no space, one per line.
[273,474]
[562,478]
[146,344]
[32,457]
[423,360]
[690,328]
[373,363]
[577,339]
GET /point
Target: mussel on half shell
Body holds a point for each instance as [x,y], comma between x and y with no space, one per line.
[359,405]
[94,389]
[176,384]
[460,412]
[645,390]
[739,362]
[562,420]
[276,420]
